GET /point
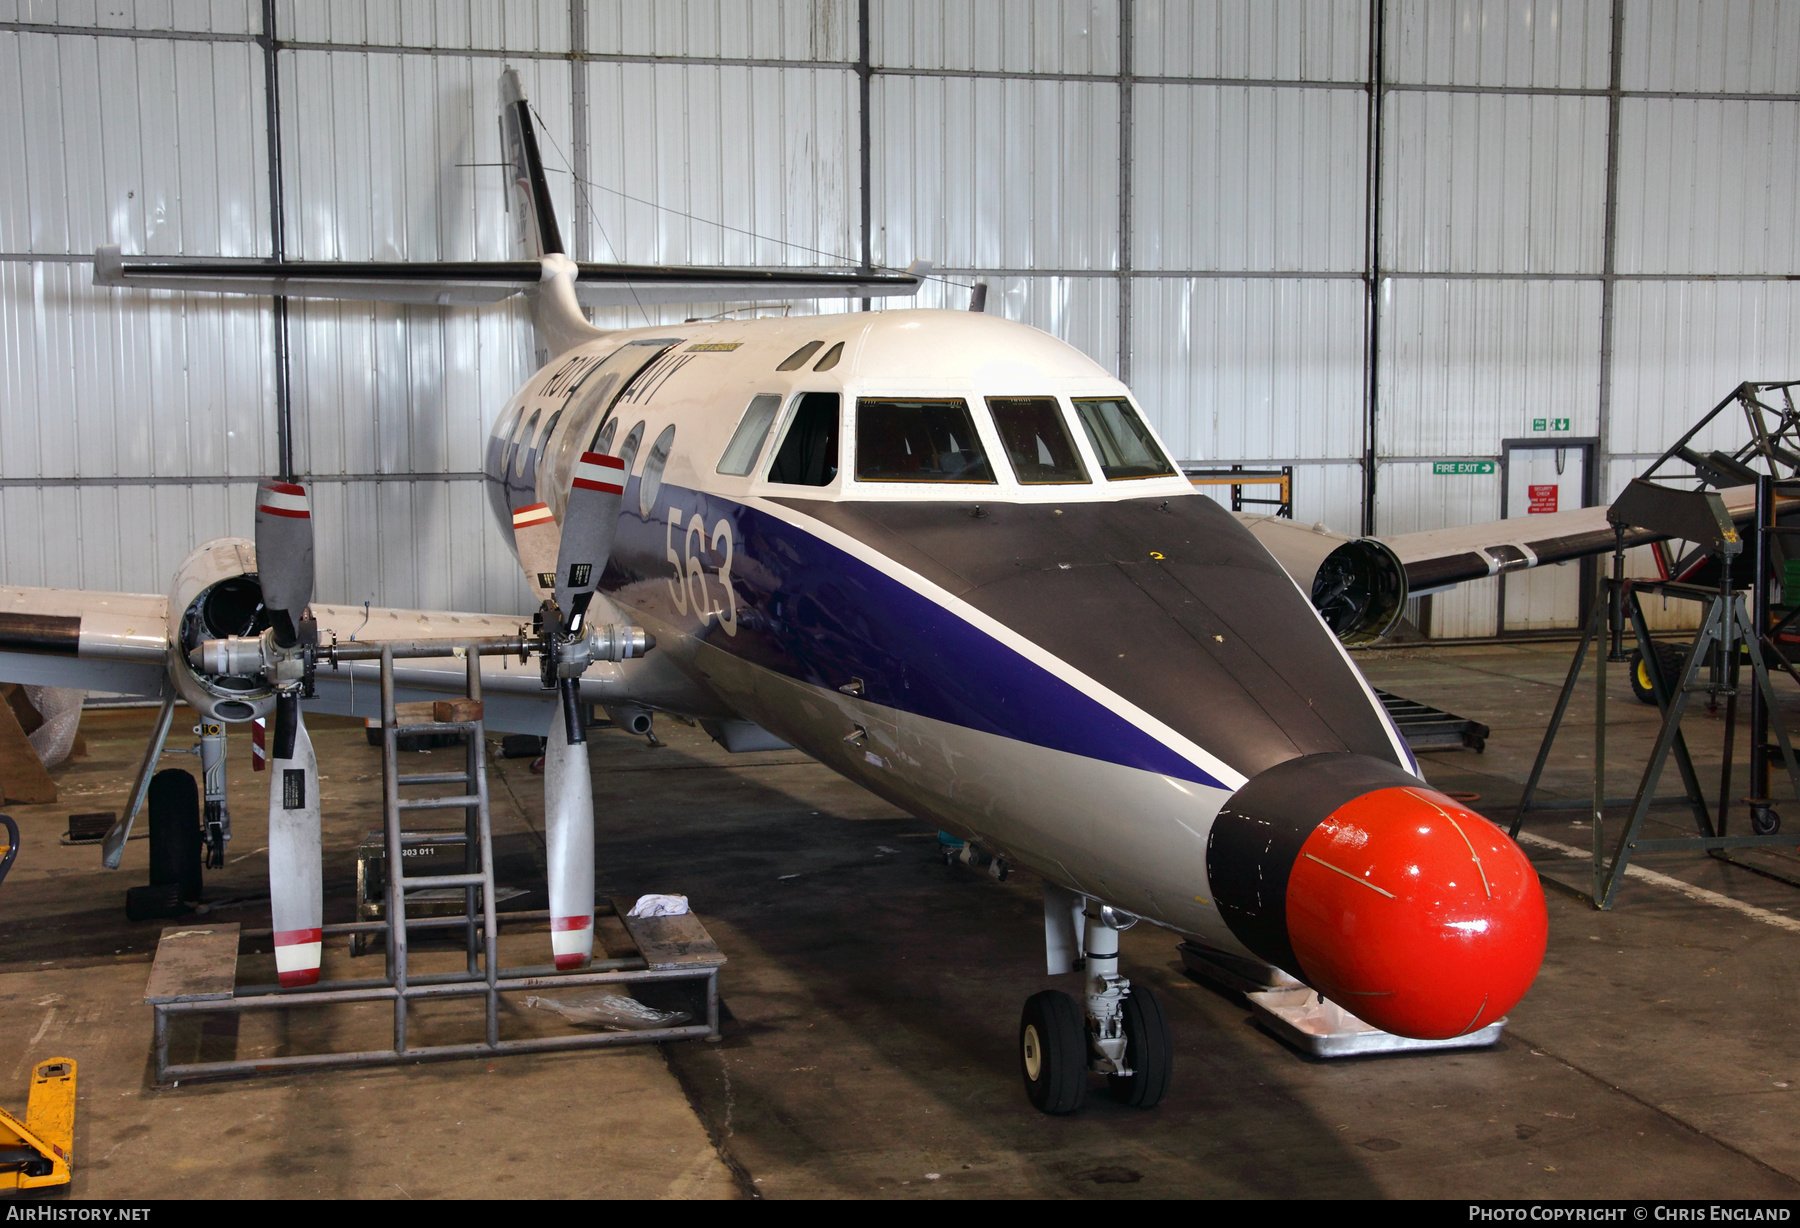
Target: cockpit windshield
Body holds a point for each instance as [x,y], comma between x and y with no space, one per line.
[1121,440]
[1037,440]
[918,441]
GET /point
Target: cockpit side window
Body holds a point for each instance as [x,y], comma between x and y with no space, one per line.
[1121,440]
[918,441]
[1037,440]
[747,441]
[808,455]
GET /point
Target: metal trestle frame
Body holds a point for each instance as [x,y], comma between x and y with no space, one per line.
[482,977]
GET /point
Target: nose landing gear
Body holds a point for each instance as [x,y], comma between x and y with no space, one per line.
[1125,1035]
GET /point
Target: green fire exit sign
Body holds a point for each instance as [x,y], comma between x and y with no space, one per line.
[1549,424]
[1462,467]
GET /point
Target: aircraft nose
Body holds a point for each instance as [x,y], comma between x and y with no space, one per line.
[1409,910]
[1416,914]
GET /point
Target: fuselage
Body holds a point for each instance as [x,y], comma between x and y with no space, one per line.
[1071,672]
[1071,669]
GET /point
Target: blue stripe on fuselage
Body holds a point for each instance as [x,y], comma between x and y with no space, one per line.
[815,613]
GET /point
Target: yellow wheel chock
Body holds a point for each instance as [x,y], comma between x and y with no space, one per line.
[38,1151]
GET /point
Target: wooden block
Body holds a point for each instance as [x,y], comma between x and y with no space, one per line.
[449,711]
[424,712]
[671,942]
[22,776]
[194,963]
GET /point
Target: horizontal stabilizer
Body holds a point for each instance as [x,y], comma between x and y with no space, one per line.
[447,283]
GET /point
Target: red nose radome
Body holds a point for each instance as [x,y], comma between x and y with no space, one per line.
[1416,914]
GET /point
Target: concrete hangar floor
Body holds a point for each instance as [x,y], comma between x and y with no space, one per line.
[872,998]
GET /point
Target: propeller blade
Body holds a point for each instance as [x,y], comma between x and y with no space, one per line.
[590,523]
[295,888]
[538,539]
[569,848]
[284,555]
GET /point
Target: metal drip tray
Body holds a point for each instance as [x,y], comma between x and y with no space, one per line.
[1325,1029]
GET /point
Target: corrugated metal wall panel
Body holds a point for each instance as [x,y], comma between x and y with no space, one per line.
[1709,186]
[1468,363]
[1252,368]
[1061,36]
[390,157]
[1494,184]
[1268,40]
[452,25]
[139,142]
[1084,311]
[982,173]
[190,16]
[1411,498]
[1240,178]
[429,545]
[744,152]
[1547,44]
[735,29]
[1680,349]
[1734,46]
[97,383]
[1324,495]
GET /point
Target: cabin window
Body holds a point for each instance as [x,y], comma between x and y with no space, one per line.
[918,441]
[520,441]
[1037,440]
[831,358]
[629,449]
[808,455]
[650,485]
[1121,439]
[603,437]
[796,360]
[747,441]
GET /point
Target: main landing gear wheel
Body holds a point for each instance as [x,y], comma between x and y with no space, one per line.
[1149,1052]
[1053,1051]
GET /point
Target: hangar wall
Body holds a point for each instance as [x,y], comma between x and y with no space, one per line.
[1586,215]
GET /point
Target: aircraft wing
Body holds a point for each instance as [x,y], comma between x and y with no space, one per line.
[1360,585]
[1439,558]
[87,640]
[118,642]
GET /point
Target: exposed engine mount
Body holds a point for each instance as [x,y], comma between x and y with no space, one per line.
[1360,590]
[216,596]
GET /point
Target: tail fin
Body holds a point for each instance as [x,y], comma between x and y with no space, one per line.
[538,233]
[561,323]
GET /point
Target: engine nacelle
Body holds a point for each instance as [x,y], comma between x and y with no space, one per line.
[215,596]
[1357,584]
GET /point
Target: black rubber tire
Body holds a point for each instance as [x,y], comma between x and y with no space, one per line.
[1149,1051]
[1640,678]
[1053,1037]
[1765,820]
[1672,660]
[175,839]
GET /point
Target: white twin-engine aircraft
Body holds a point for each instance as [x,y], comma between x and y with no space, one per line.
[943,554]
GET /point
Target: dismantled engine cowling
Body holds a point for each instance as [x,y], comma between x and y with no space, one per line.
[216,595]
[1360,590]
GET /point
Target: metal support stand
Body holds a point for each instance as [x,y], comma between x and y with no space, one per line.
[192,984]
[1725,632]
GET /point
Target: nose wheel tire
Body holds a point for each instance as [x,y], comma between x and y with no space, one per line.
[1053,1052]
[1149,1052]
